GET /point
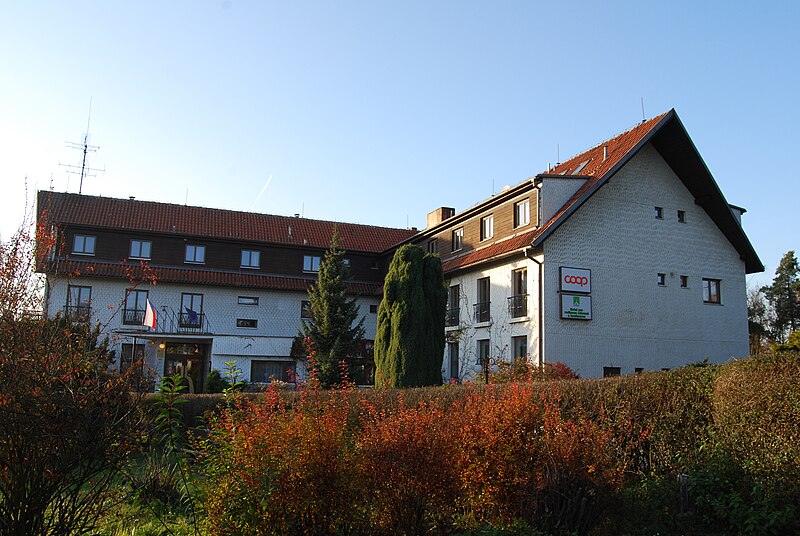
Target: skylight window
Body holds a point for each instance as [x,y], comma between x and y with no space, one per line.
[580,167]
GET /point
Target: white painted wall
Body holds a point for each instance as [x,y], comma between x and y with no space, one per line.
[502,327]
[555,191]
[278,315]
[637,323]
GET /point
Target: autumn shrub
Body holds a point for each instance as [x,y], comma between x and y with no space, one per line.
[522,370]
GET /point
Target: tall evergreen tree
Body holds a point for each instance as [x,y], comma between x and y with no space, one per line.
[410,340]
[784,296]
[333,329]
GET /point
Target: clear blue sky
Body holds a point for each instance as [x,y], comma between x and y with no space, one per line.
[378,112]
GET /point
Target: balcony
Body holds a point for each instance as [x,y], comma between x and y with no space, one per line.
[193,321]
[482,312]
[452,317]
[518,305]
[133,317]
[78,313]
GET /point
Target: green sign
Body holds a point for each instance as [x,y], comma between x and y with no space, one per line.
[575,307]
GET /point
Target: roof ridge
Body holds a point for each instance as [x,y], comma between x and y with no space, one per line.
[216,209]
[636,126]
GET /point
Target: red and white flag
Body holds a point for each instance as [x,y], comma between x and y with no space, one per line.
[149,315]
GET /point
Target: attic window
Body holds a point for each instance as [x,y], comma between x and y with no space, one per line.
[580,167]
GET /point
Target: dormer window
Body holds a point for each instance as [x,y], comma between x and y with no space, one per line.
[83,245]
[195,254]
[140,249]
[457,241]
[487,227]
[522,213]
[311,263]
[251,259]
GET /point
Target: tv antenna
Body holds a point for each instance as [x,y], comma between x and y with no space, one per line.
[85,171]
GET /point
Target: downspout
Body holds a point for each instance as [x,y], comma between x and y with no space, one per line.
[540,350]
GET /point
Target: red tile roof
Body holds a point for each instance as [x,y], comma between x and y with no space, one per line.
[498,249]
[598,168]
[161,274]
[149,216]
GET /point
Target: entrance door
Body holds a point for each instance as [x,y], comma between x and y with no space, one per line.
[188,360]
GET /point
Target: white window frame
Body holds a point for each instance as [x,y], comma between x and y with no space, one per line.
[487,227]
[84,244]
[457,239]
[195,249]
[522,213]
[138,247]
[248,300]
[251,259]
[311,263]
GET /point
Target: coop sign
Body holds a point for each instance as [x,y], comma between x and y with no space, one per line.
[575,280]
[576,307]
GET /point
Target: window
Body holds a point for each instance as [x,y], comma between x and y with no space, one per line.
[682,216]
[433,245]
[267,371]
[483,352]
[346,262]
[250,258]
[140,249]
[305,309]
[611,371]
[135,305]
[452,352]
[520,347]
[487,227]
[684,281]
[375,265]
[191,315]
[129,356]
[195,254]
[659,213]
[711,290]
[458,239]
[452,317]
[246,323]
[518,302]
[638,370]
[311,263]
[662,280]
[522,213]
[248,300]
[482,307]
[83,245]
[79,303]
[373,309]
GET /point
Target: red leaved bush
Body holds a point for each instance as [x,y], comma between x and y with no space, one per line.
[351,462]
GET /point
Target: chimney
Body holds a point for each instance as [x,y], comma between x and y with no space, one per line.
[439,215]
[605,152]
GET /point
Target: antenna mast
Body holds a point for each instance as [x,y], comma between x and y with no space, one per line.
[85,171]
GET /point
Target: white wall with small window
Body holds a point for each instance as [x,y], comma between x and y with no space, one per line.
[655,282]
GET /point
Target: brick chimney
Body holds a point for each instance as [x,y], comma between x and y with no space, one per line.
[439,215]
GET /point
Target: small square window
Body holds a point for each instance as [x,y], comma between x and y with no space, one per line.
[246,323]
[248,300]
[662,280]
[608,372]
[711,290]
[83,245]
[522,213]
[659,213]
[140,249]
[305,309]
[250,258]
[373,308]
[311,263]
[195,254]
[458,239]
[684,281]
[682,216]
[638,370]
[487,227]
[346,262]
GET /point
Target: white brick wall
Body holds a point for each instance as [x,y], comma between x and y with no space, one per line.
[635,322]
[278,315]
[502,327]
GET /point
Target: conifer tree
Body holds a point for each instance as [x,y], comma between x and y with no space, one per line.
[410,339]
[784,296]
[333,329]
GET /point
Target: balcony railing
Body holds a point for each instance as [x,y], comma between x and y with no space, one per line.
[518,305]
[133,317]
[78,313]
[191,320]
[482,312]
[452,317]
